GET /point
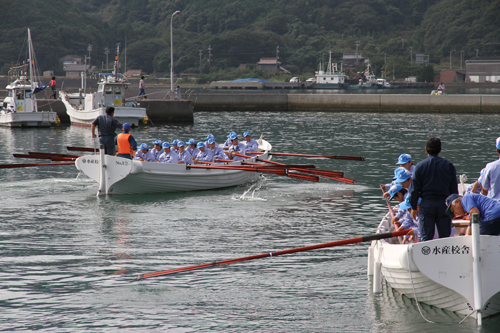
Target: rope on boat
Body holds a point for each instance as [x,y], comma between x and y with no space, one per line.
[413,287]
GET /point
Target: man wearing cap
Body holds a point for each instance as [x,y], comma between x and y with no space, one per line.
[228,142]
[250,145]
[397,192]
[143,154]
[217,151]
[491,177]
[204,154]
[487,208]
[106,125]
[434,179]
[168,156]
[174,147]
[126,143]
[235,148]
[405,161]
[184,156]
[192,149]
[210,136]
[157,150]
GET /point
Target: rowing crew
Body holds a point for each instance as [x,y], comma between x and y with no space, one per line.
[188,153]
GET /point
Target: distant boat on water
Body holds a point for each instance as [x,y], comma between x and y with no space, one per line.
[332,78]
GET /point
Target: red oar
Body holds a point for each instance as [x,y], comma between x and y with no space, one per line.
[339,176]
[82,149]
[41,157]
[9,166]
[52,154]
[278,253]
[353,158]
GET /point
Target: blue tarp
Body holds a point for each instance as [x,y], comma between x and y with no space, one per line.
[258,80]
[37,90]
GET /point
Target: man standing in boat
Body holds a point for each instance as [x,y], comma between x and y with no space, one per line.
[106,125]
[434,179]
[126,143]
[490,179]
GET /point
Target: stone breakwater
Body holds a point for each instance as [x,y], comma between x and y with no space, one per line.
[348,103]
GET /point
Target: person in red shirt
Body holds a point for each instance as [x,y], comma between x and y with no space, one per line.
[53,86]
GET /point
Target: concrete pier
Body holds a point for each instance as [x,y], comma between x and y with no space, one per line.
[348,103]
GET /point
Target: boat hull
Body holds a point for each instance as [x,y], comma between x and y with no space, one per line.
[440,272]
[27,119]
[123,176]
[328,86]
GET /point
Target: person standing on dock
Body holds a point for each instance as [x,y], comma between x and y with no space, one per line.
[434,179]
[142,88]
[178,93]
[490,179]
[53,86]
[106,125]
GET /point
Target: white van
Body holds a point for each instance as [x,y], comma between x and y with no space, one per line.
[294,79]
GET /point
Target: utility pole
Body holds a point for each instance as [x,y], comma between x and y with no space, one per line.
[106,52]
[201,53]
[411,56]
[209,57]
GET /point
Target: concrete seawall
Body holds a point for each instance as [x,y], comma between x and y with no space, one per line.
[348,102]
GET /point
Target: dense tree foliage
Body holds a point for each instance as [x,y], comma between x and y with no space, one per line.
[390,32]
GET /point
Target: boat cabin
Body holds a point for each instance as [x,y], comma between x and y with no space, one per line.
[110,92]
[19,96]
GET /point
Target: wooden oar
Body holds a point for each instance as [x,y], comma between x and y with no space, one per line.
[278,253]
[57,158]
[265,169]
[353,158]
[323,173]
[82,149]
[10,166]
[52,154]
[40,157]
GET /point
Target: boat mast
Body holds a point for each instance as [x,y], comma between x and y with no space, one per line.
[330,64]
[30,59]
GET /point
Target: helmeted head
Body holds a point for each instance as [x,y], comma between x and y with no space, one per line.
[191,142]
[404,158]
[181,144]
[144,147]
[166,146]
[157,143]
[200,146]
[126,127]
[233,136]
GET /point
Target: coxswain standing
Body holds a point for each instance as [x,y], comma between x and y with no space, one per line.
[126,143]
[236,147]
[250,144]
[168,156]
[106,125]
[204,154]
[184,156]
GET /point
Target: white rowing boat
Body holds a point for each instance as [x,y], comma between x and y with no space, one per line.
[117,175]
[457,274]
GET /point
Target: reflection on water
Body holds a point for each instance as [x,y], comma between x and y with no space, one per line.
[66,254]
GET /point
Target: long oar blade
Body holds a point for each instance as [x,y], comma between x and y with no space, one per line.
[11,166]
[52,154]
[278,253]
[82,149]
[353,158]
[41,157]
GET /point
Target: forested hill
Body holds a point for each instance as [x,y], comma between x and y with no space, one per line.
[243,31]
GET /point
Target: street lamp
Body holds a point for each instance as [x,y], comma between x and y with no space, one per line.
[450,56]
[172,53]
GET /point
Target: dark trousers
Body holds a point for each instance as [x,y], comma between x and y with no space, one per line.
[491,227]
[433,215]
[109,144]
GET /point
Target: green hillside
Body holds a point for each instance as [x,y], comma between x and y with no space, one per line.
[243,31]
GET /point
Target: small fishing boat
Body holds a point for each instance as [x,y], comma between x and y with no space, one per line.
[117,175]
[457,274]
[19,108]
[331,79]
[83,108]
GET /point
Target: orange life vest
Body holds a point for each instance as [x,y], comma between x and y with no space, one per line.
[124,146]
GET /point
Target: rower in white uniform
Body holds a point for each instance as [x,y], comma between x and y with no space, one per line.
[204,154]
[217,151]
[184,156]
[236,147]
[168,156]
[250,145]
[157,150]
[143,154]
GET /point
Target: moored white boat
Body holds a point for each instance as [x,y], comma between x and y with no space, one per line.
[331,79]
[118,175]
[446,273]
[19,108]
[82,109]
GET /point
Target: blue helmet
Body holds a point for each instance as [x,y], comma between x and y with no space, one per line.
[126,127]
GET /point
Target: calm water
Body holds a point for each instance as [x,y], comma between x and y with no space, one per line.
[66,255]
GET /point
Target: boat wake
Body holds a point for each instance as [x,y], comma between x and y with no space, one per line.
[252,192]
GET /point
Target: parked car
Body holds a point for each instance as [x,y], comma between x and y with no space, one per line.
[294,79]
[311,79]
